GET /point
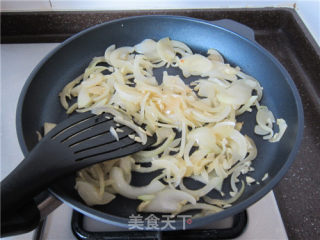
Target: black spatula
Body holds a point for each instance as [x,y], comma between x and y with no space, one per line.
[78,142]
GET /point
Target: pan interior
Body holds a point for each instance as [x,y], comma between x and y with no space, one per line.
[40,101]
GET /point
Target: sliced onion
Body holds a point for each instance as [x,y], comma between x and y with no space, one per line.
[202,206]
[165,50]
[194,65]
[140,156]
[47,127]
[250,180]
[265,176]
[108,52]
[264,117]
[265,120]
[241,142]
[261,131]
[282,128]
[213,182]
[202,117]
[126,190]
[120,56]
[211,146]
[223,202]
[214,55]
[137,129]
[205,139]
[162,134]
[239,93]
[91,195]
[120,118]
[172,171]
[39,135]
[182,46]
[187,151]
[148,48]
[126,164]
[66,91]
[84,99]
[114,133]
[252,82]
[247,105]
[166,201]
[128,93]
[183,139]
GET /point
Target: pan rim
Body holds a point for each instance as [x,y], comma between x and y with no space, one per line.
[123,222]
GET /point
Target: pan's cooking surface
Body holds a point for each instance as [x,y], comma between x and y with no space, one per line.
[39,101]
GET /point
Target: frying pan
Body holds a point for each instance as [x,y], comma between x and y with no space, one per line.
[39,103]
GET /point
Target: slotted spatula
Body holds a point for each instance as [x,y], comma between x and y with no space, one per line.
[79,141]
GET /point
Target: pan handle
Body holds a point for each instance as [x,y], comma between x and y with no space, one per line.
[236,27]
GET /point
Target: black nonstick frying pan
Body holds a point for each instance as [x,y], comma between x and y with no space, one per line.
[39,102]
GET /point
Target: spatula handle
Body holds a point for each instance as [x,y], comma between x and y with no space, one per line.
[33,175]
[19,212]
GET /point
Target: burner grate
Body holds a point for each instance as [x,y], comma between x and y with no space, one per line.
[238,226]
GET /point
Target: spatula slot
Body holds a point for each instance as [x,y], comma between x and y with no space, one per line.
[73,121]
[102,128]
[119,146]
[97,141]
[84,129]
